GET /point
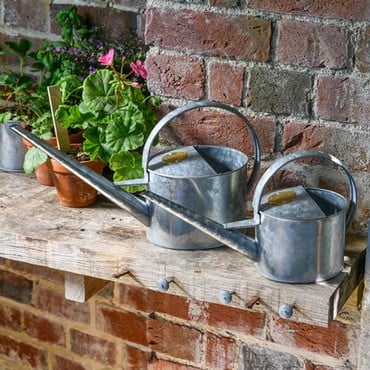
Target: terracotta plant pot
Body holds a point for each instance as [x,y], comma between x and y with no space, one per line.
[42,173]
[71,190]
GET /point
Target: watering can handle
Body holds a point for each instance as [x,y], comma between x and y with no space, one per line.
[178,111]
[276,166]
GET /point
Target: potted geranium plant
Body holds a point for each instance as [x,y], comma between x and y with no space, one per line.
[69,63]
[116,114]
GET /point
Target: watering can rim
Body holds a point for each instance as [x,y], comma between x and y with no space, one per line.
[242,155]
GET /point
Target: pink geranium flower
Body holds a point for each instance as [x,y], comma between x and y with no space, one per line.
[107,59]
[139,68]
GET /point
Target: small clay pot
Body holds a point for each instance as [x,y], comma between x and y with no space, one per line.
[71,190]
[42,173]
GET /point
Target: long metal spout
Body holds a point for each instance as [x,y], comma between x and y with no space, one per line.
[231,238]
[133,205]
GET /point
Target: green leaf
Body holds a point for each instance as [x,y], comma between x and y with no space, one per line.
[127,166]
[98,91]
[21,48]
[71,117]
[125,129]
[5,117]
[94,144]
[33,159]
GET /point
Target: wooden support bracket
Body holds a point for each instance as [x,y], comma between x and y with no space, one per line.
[80,288]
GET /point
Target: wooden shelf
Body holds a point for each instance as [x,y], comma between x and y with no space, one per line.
[105,243]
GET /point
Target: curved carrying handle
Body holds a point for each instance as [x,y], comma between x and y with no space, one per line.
[178,111]
[276,166]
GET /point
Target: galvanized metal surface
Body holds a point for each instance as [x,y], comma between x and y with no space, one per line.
[194,184]
[12,149]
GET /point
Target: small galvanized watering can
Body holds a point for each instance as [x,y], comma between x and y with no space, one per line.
[299,232]
[209,180]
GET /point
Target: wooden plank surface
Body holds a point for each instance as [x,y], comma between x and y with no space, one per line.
[106,243]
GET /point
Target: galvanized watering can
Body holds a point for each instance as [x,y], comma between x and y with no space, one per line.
[209,180]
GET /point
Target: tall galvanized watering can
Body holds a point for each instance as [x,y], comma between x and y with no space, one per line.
[209,180]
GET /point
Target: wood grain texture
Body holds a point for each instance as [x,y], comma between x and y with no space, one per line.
[104,242]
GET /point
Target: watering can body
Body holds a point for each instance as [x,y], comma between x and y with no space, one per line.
[306,249]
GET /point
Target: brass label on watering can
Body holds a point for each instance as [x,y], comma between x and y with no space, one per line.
[174,157]
[281,197]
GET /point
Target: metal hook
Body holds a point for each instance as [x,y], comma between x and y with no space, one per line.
[126,272]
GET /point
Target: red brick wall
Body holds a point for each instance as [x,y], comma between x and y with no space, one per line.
[131,328]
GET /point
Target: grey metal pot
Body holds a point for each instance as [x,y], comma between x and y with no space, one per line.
[209,180]
[12,149]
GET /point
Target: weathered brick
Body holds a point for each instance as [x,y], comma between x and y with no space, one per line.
[309,365]
[210,127]
[169,365]
[135,359]
[10,316]
[279,91]
[234,319]
[336,340]
[22,353]
[178,76]
[213,34]
[349,145]
[93,347]
[312,44]
[39,272]
[136,5]
[343,99]
[16,287]
[362,54]
[122,324]
[62,363]
[113,21]
[225,3]
[349,9]
[25,15]
[54,302]
[220,352]
[152,301]
[175,340]
[44,329]
[226,83]
[253,357]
